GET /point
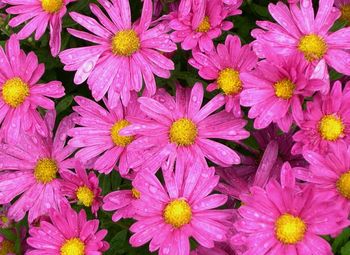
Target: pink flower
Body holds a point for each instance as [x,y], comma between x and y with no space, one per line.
[344,6]
[82,187]
[169,215]
[197,23]
[225,65]
[125,55]
[275,91]
[330,174]
[5,222]
[6,246]
[40,14]
[232,6]
[326,121]
[98,135]
[21,94]
[29,171]
[180,128]
[67,232]
[299,32]
[281,219]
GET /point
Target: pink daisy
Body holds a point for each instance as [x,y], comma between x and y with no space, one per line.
[98,135]
[168,215]
[326,121]
[29,171]
[40,14]
[225,65]
[7,247]
[21,94]
[180,128]
[82,187]
[330,173]
[5,222]
[197,23]
[67,233]
[125,55]
[299,32]
[276,89]
[344,7]
[281,219]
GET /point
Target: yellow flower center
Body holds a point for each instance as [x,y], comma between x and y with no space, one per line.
[4,219]
[183,132]
[284,89]
[125,43]
[289,229]
[6,247]
[229,81]
[177,213]
[119,140]
[85,196]
[343,185]
[45,170]
[345,12]
[14,92]
[331,127]
[51,6]
[204,26]
[73,246]
[135,193]
[313,47]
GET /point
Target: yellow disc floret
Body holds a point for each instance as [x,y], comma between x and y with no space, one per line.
[343,185]
[14,92]
[183,132]
[331,127]
[204,26]
[45,170]
[51,6]
[177,213]
[313,47]
[85,196]
[135,193]
[73,246]
[119,140]
[7,247]
[229,82]
[284,89]
[345,12]
[125,43]
[289,229]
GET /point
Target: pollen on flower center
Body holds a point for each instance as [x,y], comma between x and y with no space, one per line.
[289,229]
[125,43]
[183,132]
[85,196]
[51,6]
[345,12]
[204,26]
[45,170]
[313,47]
[119,140]
[331,127]
[177,213]
[7,247]
[14,92]
[284,89]
[135,193]
[73,246]
[229,81]
[343,185]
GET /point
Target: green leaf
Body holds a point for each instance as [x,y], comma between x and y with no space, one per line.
[117,243]
[345,250]
[64,104]
[340,240]
[9,234]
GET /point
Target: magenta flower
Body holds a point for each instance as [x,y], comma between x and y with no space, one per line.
[6,246]
[29,171]
[98,135]
[82,187]
[125,55]
[5,222]
[326,121]
[40,14]
[281,219]
[180,209]
[21,94]
[67,233]
[276,89]
[299,32]
[225,65]
[197,23]
[181,128]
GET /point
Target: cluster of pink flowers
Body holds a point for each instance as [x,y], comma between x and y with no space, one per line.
[256,162]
